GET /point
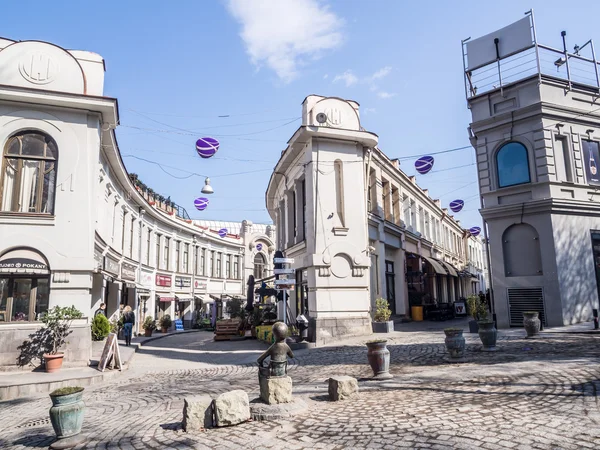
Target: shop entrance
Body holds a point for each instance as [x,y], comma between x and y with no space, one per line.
[390,284]
[596,250]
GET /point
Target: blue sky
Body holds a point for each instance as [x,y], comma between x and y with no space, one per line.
[177,66]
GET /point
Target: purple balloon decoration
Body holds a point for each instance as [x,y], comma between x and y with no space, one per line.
[207,147]
[457,205]
[424,164]
[258,247]
[201,203]
[223,232]
[475,231]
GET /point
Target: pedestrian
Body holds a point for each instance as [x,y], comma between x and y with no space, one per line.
[101,310]
[128,321]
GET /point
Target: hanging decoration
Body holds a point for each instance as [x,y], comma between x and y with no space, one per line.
[223,232]
[475,231]
[201,203]
[258,247]
[457,205]
[207,147]
[424,164]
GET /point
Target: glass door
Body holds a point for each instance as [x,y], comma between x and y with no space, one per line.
[390,283]
[4,311]
[22,308]
[596,250]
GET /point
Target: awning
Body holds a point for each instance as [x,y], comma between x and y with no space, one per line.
[437,267]
[166,299]
[184,299]
[451,269]
[23,261]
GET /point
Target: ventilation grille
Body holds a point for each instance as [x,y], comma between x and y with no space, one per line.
[521,300]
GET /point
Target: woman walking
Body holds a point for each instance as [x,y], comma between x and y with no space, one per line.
[128,321]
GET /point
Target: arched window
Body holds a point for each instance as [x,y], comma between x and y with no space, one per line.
[29,173]
[521,251]
[259,266]
[512,164]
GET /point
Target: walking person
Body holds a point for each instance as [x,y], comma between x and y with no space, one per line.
[128,321]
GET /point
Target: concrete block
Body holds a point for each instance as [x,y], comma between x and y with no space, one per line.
[231,408]
[275,390]
[342,388]
[197,413]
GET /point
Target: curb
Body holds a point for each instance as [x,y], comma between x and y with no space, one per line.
[16,391]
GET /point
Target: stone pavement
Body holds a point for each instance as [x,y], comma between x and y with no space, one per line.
[540,393]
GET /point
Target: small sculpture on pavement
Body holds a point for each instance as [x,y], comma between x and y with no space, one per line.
[278,353]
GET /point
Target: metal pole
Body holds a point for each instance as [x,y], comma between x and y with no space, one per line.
[496,43]
[537,50]
[563,34]
[595,64]
[462,44]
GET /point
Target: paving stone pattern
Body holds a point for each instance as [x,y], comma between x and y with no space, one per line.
[540,393]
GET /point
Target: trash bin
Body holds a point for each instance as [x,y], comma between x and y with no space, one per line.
[417,313]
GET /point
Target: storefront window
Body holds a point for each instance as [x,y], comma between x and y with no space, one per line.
[23,299]
[236,268]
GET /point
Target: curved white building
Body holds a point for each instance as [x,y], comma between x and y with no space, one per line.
[76,228]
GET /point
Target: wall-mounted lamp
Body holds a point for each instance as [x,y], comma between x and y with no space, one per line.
[207,189]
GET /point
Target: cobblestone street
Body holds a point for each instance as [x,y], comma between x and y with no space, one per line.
[540,393]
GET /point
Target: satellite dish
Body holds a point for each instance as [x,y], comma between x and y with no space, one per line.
[321,117]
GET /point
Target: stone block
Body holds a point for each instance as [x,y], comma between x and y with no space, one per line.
[342,388]
[231,408]
[275,390]
[197,413]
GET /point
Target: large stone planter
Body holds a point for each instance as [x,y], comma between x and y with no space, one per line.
[455,342]
[473,326]
[379,359]
[66,415]
[383,327]
[488,335]
[531,322]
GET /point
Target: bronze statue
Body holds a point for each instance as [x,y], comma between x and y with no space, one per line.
[278,352]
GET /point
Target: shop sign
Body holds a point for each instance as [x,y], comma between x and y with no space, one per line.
[130,285]
[111,266]
[459,309]
[146,279]
[128,272]
[22,263]
[200,285]
[183,282]
[98,258]
[163,280]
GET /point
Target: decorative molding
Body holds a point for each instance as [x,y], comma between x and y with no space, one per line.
[340,231]
[61,277]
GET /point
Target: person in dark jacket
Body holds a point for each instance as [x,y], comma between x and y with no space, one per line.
[128,321]
[101,310]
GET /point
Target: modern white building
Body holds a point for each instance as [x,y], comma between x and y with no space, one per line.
[359,228]
[536,133]
[77,229]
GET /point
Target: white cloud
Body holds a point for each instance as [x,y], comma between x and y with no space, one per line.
[369,111]
[384,94]
[381,73]
[325,76]
[347,77]
[284,34]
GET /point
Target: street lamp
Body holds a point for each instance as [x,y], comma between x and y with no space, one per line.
[207,189]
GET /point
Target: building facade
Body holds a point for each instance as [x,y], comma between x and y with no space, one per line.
[536,135]
[76,228]
[358,228]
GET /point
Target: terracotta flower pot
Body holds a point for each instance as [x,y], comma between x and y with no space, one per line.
[53,363]
[165,330]
[148,333]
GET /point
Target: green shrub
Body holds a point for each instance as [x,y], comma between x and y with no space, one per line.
[382,311]
[165,321]
[149,323]
[100,327]
[477,308]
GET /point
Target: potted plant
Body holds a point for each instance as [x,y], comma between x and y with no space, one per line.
[149,326]
[165,323]
[379,358]
[100,327]
[66,415]
[531,322]
[478,311]
[46,342]
[455,342]
[381,319]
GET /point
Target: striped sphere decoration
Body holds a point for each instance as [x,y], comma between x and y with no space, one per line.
[201,203]
[457,205]
[223,232]
[258,247]
[424,164]
[475,231]
[207,147]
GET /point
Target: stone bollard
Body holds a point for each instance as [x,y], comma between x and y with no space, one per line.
[231,408]
[275,390]
[197,413]
[342,388]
